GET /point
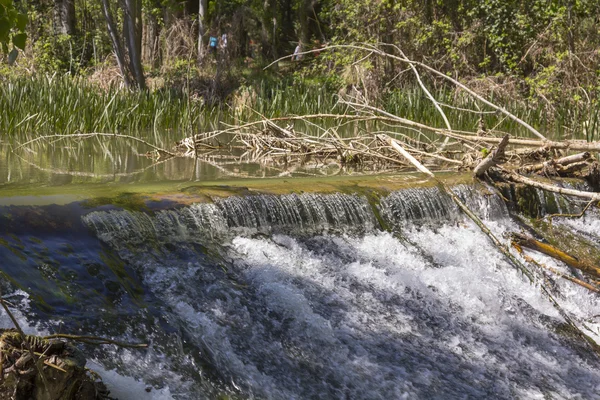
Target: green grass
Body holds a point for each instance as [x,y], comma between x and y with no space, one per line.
[62,104]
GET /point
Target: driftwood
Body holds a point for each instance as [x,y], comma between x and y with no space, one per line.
[514,177]
[554,252]
[377,51]
[556,272]
[48,368]
[65,376]
[497,156]
[564,161]
[398,148]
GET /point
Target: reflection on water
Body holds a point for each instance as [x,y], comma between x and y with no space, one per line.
[94,160]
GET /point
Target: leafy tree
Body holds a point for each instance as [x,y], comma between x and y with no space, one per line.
[12,30]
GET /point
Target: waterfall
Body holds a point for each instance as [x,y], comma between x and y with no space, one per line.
[301,213]
[259,213]
[296,296]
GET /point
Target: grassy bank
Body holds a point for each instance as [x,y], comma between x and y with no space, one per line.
[62,104]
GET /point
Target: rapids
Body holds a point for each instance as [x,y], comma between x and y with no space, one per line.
[304,296]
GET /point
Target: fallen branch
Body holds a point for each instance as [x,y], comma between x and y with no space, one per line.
[553,270]
[554,252]
[564,161]
[398,148]
[579,215]
[376,50]
[551,188]
[27,345]
[97,134]
[494,158]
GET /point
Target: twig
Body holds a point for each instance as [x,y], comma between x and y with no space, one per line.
[579,215]
[551,188]
[382,53]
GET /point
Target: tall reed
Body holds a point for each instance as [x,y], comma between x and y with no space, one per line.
[63,104]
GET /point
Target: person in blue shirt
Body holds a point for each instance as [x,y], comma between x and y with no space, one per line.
[213,43]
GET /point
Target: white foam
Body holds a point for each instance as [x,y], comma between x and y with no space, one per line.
[127,388]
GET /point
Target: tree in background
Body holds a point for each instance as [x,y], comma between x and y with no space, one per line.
[12,30]
[64,17]
[127,41]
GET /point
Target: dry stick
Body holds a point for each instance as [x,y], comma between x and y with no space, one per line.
[26,343]
[433,155]
[456,134]
[513,260]
[344,147]
[573,215]
[494,158]
[577,145]
[561,161]
[472,93]
[427,67]
[554,252]
[572,169]
[551,188]
[553,270]
[428,94]
[396,146]
[400,119]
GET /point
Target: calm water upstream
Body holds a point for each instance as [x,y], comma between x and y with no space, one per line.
[294,296]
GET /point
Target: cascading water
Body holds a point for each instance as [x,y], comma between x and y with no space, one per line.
[311,296]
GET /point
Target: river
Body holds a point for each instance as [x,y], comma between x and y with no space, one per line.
[365,292]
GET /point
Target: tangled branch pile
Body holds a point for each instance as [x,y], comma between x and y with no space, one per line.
[391,141]
[62,365]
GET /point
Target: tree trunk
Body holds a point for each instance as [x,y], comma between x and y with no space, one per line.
[132,30]
[116,41]
[269,29]
[202,11]
[306,13]
[150,42]
[64,17]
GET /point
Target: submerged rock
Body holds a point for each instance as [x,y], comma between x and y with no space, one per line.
[61,363]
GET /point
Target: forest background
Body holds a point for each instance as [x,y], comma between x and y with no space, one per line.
[76,65]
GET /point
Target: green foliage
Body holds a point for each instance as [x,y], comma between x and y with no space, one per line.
[63,104]
[12,30]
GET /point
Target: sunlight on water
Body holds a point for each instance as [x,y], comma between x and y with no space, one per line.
[305,296]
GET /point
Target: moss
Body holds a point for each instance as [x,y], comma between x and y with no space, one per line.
[566,330]
[127,201]
[550,204]
[33,239]
[139,195]
[527,201]
[123,278]
[16,249]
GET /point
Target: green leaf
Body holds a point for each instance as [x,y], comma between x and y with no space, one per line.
[13,56]
[22,22]
[20,40]
[6,3]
